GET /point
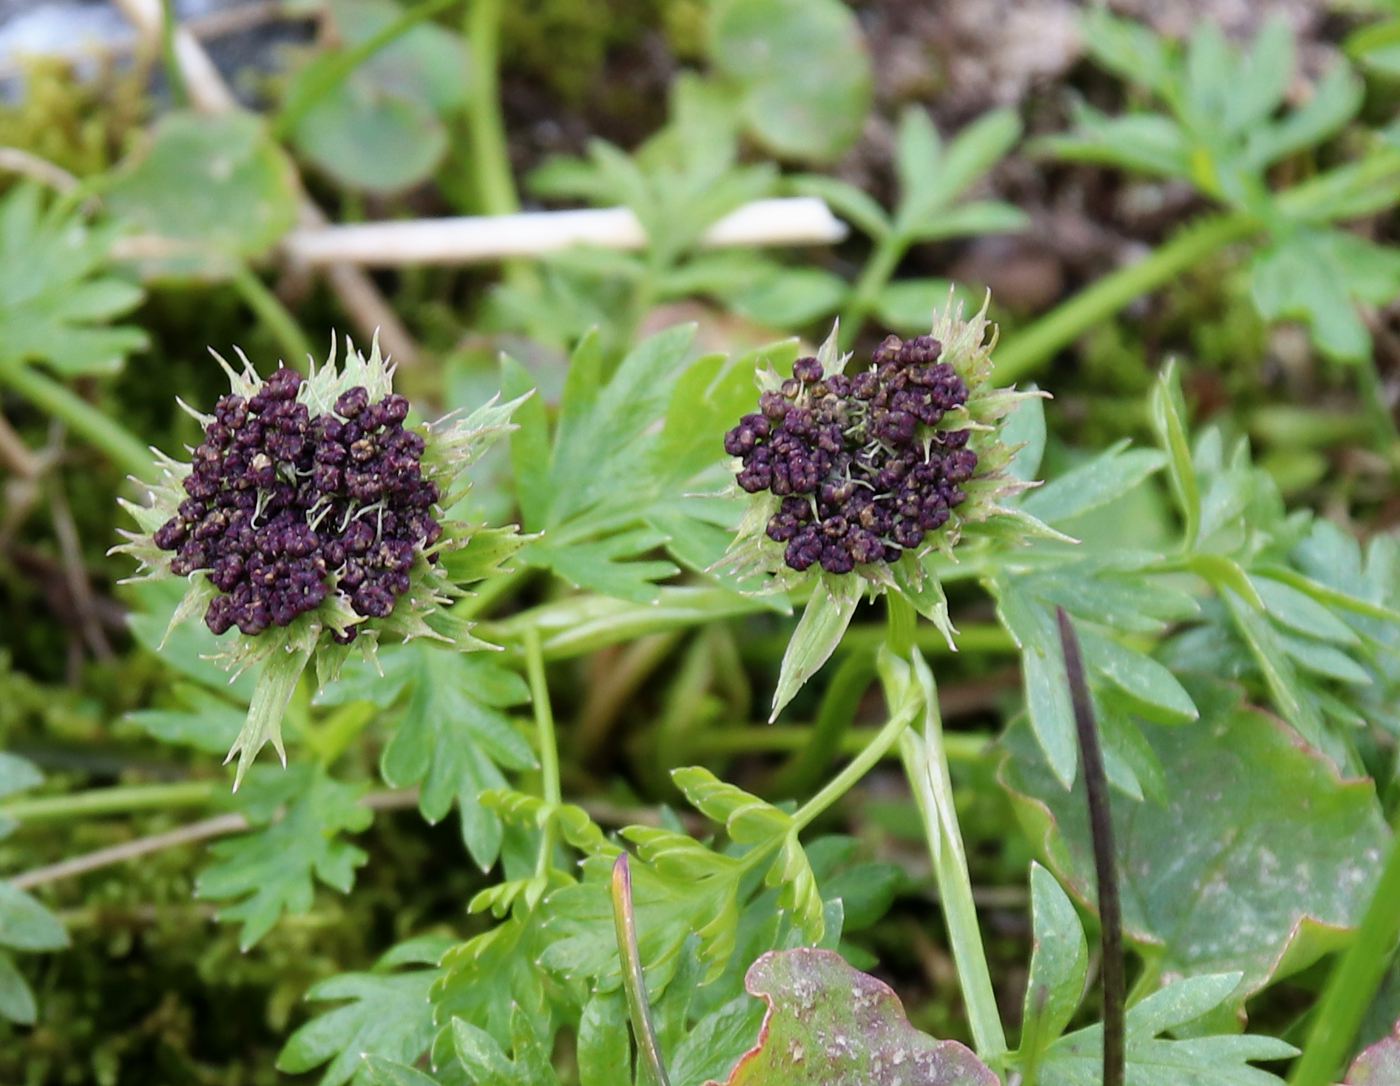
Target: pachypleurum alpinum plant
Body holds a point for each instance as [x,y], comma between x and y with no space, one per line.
[1195,766]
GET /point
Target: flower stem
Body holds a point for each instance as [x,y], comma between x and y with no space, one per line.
[494,183]
[127,799]
[1036,344]
[633,977]
[174,74]
[549,747]
[269,309]
[1354,982]
[926,765]
[883,741]
[94,427]
[873,278]
[964,747]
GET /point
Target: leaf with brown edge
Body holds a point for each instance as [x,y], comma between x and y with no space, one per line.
[829,1024]
[1378,1065]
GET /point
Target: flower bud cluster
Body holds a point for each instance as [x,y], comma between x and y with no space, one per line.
[283,508]
[861,467]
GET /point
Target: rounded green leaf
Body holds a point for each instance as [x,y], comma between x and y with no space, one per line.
[1258,860]
[215,191]
[803,71]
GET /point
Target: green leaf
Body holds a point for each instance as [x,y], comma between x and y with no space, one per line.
[205,721]
[453,741]
[604,1054]
[1107,477]
[1335,100]
[1285,687]
[1314,275]
[55,293]
[1379,1064]
[1140,142]
[908,305]
[17,774]
[216,188]
[488,975]
[1153,689]
[1266,71]
[369,138]
[381,1072]
[1059,966]
[1023,431]
[1301,613]
[383,1013]
[382,128]
[1077,1060]
[1131,50]
[298,815]
[848,201]
[1258,858]
[802,70]
[27,925]
[601,511]
[818,632]
[828,1023]
[1043,676]
[1169,422]
[714,1044]
[16,997]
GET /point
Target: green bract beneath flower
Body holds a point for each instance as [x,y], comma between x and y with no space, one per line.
[310,519]
[858,476]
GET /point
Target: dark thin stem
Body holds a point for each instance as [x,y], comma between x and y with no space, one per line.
[633,979]
[1101,828]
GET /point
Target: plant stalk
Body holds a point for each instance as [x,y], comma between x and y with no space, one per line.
[633,977]
[268,308]
[926,766]
[89,423]
[889,250]
[550,788]
[1034,346]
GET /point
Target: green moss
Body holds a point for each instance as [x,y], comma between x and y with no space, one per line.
[82,126]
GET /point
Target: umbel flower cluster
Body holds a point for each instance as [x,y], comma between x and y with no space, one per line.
[309,518]
[861,465]
[284,508]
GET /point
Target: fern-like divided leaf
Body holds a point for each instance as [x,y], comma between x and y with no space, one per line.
[623,472]
[384,1014]
[298,816]
[57,293]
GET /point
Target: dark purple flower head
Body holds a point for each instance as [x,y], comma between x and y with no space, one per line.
[859,461]
[285,507]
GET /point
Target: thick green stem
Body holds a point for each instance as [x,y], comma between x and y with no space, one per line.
[926,766]
[494,182]
[92,425]
[273,314]
[338,68]
[901,621]
[128,799]
[1036,344]
[1354,982]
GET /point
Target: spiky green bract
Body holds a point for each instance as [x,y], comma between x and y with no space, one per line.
[967,344]
[451,446]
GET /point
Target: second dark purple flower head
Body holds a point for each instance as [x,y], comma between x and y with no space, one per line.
[861,467]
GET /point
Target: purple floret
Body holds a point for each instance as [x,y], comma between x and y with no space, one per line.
[864,472]
[284,508]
